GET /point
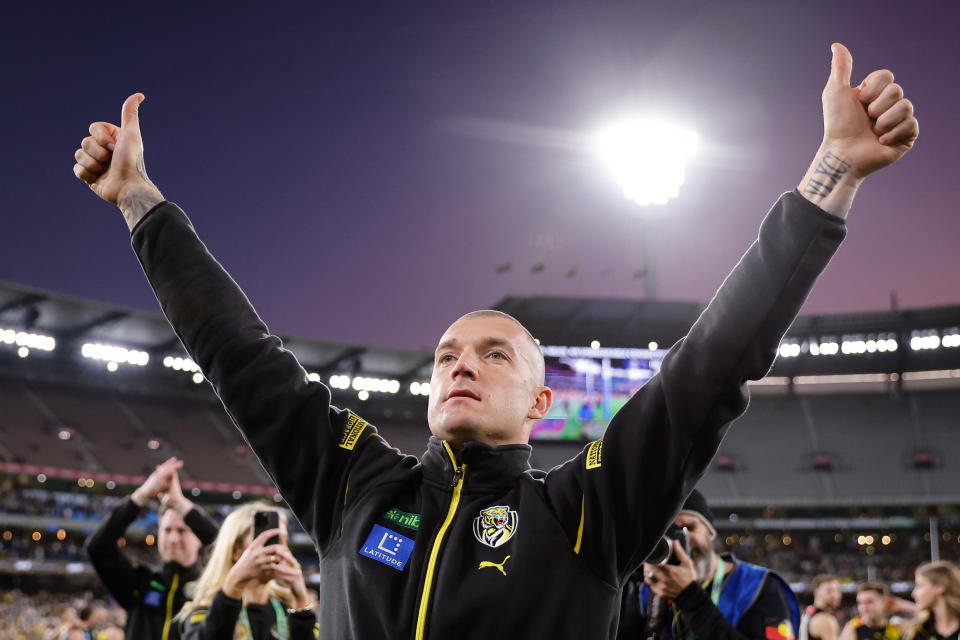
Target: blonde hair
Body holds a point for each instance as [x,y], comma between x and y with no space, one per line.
[942,574]
[233,532]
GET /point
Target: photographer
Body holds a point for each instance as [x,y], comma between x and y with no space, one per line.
[250,589]
[151,596]
[708,595]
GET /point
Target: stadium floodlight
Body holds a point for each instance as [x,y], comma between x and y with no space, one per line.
[648,158]
[363,394]
[923,340]
[114,355]
[24,341]
[313,376]
[789,350]
[340,381]
[179,363]
[420,388]
[378,385]
[197,377]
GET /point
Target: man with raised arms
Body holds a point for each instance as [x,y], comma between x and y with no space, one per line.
[484,546]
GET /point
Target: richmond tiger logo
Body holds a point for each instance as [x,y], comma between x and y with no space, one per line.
[495,525]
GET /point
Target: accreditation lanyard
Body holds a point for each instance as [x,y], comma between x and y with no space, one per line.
[283,633]
[717,580]
[715,589]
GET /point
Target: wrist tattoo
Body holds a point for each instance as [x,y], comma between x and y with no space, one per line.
[829,171]
[138,203]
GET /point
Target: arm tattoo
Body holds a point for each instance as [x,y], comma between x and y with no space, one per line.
[830,169]
[138,203]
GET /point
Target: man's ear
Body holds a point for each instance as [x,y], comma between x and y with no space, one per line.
[542,403]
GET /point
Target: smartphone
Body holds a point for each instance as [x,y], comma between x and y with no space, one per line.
[264,521]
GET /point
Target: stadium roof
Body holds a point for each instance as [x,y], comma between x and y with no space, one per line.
[553,320]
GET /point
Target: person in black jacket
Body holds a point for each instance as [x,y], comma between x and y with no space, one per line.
[705,595]
[151,596]
[447,545]
[249,589]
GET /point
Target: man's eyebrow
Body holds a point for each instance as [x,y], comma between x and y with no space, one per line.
[446,344]
[489,341]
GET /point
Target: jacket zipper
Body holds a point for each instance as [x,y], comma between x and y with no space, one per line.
[166,621]
[457,484]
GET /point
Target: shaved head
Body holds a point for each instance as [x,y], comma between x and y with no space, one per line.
[534,355]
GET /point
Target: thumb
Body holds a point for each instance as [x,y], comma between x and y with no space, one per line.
[129,118]
[841,66]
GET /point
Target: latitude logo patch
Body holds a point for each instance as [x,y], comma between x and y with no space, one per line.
[495,525]
[388,547]
[153,598]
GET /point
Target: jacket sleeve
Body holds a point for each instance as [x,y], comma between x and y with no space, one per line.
[617,497]
[202,525]
[121,576]
[307,447]
[216,623]
[303,625]
[768,617]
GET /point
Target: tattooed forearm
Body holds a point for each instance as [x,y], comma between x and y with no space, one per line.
[829,171]
[138,202]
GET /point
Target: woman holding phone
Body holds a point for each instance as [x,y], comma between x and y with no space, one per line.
[250,589]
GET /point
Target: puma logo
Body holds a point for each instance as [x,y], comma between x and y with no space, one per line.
[487,563]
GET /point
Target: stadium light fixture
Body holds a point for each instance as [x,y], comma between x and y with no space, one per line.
[24,341]
[114,355]
[340,381]
[648,158]
[420,388]
[378,385]
[179,363]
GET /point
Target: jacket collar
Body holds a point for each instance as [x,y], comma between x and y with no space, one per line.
[186,573]
[486,466]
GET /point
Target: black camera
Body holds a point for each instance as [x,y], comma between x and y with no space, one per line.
[663,553]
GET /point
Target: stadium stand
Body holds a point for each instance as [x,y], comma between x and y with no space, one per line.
[833,450]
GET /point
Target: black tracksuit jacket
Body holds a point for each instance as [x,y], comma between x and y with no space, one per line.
[494,549]
[151,597]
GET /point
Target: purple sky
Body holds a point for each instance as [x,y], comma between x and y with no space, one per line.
[362,172]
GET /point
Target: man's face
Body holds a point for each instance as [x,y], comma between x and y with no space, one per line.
[828,595]
[176,542]
[485,385]
[701,542]
[870,607]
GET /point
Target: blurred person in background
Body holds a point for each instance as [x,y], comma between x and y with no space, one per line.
[937,595]
[86,625]
[250,590]
[151,596]
[710,596]
[872,621]
[819,620]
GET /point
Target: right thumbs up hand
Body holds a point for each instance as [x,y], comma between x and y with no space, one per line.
[110,161]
